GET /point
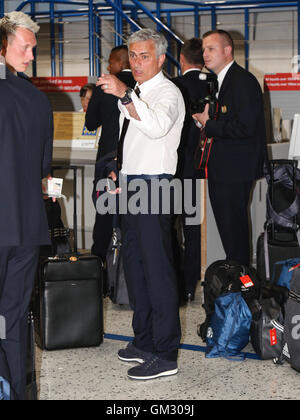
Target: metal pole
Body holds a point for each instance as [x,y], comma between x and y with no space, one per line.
[1,8]
[61,45]
[34,51]
[196,20]
[98,43]
[169,23]
[91,38]
[213,18]
[52,39]
[247,39]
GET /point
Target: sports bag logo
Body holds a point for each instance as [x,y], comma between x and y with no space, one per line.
[296,329]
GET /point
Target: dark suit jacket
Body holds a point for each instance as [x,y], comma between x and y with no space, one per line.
[239,149]
[192,89]
[25,157]
[103,110]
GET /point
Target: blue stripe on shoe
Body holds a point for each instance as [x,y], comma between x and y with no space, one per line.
[191,347]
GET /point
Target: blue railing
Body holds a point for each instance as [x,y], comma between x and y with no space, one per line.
[132,10]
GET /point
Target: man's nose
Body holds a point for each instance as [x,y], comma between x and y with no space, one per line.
[30,54]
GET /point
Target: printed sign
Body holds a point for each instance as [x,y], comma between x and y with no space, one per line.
[59,84]
[282,82]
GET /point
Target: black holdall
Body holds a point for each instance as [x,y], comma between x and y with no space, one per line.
[224,276]
[266,333]
[291,338]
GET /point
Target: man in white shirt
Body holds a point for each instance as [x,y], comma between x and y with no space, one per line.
[149,153]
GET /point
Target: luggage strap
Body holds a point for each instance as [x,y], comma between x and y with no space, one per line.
[294,296]
[206,146]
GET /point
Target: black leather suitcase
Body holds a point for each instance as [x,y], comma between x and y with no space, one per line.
[68,297]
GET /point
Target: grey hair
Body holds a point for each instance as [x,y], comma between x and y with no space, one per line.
[14,20]
[159,40]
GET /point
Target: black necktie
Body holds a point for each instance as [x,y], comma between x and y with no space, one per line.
[123,134]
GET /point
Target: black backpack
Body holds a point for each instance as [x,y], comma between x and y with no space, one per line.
[225,276]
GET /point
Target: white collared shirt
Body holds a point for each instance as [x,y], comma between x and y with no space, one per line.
[150,145]
[222,74]
[193,69]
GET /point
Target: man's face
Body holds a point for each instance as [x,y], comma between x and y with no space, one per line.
[86,99]
[115,64]
[143,60]
[216,53]
[19,51]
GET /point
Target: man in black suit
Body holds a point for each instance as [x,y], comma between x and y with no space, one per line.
[26,155]
[103,111]
[239,148]
[192,89]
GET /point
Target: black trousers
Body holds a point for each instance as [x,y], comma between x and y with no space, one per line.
[17,272]
[151,281]
[230,204]
[102,234]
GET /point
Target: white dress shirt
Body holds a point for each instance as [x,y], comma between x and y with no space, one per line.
[150,145]
[221,76]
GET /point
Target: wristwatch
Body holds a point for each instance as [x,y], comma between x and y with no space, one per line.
[127,98]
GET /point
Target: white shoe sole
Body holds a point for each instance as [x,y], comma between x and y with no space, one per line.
[131,360]
[158,375]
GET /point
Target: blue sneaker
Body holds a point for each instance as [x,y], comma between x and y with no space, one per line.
[133,354]
[153,368]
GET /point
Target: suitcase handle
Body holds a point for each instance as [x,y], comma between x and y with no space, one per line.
[74,169]
[284,162]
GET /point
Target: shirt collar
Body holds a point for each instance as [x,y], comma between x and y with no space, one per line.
[149,84]
[193,69]
[222,74]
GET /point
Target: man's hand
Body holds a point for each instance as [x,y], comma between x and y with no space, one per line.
[112,85]
[44,188]
[203,117]
[113,176]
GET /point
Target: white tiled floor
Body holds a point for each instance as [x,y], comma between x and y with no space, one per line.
[97,374]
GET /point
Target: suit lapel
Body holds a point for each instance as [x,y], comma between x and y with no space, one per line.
[227,80]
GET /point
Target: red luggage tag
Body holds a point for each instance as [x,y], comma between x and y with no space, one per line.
[273,337]
[246,280]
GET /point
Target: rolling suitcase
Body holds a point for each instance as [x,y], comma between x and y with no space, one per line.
[68,298]
[281,238]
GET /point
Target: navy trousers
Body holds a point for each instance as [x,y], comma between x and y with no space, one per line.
[17,272]
[151,281]
[230,204]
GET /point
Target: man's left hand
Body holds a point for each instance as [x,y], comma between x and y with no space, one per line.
[112,85]
[203,117]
